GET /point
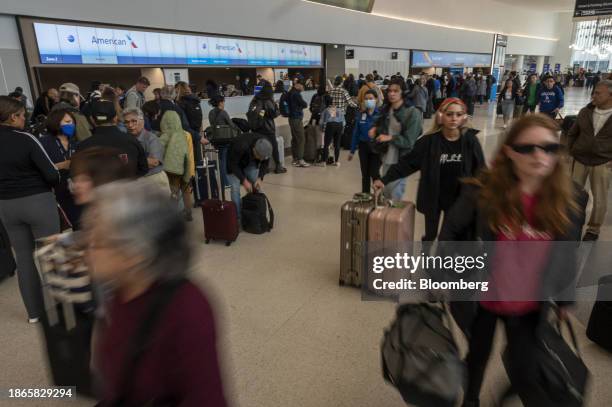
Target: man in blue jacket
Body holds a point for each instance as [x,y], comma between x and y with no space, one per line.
[550,98]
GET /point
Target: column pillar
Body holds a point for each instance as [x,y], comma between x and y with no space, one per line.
[540,64]
[518,63]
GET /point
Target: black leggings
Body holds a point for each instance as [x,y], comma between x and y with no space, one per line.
[369,163]
[521,338]
[333,132]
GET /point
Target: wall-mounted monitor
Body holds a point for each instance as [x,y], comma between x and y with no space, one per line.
[79,44]
[436,59]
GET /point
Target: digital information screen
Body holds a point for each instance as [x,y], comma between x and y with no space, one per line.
[426,59]
[73,44]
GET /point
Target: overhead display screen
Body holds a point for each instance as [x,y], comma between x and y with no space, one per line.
[426,59]
[74,44]
[591,8]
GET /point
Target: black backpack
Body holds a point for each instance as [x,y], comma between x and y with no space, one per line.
[255,211]
[255,115]
[316,104]
[283,104]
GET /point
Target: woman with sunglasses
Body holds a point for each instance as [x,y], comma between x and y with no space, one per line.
[525,197]
[449,152]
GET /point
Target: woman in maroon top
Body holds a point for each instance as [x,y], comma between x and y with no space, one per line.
[518,207]
[139,244]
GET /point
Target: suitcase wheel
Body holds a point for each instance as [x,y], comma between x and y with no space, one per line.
[228,243]
[207,241]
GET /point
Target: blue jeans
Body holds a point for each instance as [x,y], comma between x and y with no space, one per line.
[252,173]
[223,150]
[394,190]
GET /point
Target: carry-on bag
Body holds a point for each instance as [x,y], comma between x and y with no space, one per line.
[68,320]
[353,237]
[420,357]
[550,374]
[257,213]
[311,143]
[201,188]
[220,216]
[599,329]
[390,231]
[223,134]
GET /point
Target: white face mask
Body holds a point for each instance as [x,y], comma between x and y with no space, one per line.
[370,104]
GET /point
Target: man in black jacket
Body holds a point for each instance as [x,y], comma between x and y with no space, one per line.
[107,134]
[247,164]
[296,121]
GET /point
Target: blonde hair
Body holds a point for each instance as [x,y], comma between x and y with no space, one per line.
[436,126]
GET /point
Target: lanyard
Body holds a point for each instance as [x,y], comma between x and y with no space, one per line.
[65,153]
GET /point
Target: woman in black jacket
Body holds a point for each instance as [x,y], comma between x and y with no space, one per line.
[264,102]
[60,145]
[517,208]
[27,206]
[190,105]
[450,151]
[507,97]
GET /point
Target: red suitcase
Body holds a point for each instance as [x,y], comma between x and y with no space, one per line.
[220,216]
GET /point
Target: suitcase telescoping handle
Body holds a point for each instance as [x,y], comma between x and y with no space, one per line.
[220,189]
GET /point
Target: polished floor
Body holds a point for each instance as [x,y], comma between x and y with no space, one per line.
[289,335]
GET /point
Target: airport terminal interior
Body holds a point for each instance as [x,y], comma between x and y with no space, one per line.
[199,298]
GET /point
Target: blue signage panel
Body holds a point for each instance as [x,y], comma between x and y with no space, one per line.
[427,59]
[557,67]
[546,67]
[71,44]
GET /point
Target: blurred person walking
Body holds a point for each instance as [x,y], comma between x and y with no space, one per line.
[27,206]
[157,344]
[525,196]
[508,95]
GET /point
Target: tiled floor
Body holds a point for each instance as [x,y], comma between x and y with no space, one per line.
[289,334]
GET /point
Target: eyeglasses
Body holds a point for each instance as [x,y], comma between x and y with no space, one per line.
[552,148]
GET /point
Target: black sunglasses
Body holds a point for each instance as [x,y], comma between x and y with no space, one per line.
[551,148]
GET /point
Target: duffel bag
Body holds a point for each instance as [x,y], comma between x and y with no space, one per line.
[420,357]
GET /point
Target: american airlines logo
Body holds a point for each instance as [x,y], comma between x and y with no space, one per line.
[132,43]
[225,47]
[107,41]
[70,38]
[296,51]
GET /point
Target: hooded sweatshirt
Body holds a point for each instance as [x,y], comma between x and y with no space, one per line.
[178,159]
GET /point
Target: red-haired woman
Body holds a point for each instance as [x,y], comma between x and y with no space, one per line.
[448,152]
[521,204]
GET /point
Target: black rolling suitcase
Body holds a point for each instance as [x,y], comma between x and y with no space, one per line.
[7,261]
[599,329]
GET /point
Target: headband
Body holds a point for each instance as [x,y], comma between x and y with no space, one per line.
[450,101]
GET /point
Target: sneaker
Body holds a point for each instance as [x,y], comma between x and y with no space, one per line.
[590,237]
[336,164]
[320,164]
[280,170]
[303,164]
[33,320]
[295,163]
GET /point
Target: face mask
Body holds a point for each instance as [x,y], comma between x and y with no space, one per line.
[68,129]
[370,104]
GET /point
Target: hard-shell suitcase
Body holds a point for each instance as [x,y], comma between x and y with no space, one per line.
[353,237]
[201,189]
[599,329]
[311,142]
[390,231]
[220,216]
